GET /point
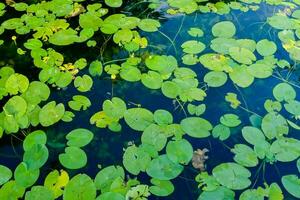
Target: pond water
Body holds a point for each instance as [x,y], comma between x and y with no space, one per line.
[107,147]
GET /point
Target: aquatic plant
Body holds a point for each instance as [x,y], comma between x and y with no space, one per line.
[72,44]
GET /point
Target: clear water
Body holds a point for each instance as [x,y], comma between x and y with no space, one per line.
[107,147]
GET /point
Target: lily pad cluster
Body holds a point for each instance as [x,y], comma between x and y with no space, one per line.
[46,32]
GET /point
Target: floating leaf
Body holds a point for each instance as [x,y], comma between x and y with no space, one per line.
[39,192]
[163,117]
[225,29]
[266,47]
[36,137]
[291,183]
[79,102]
[73,158]
[179,151]
[114,108]
[220,131]
[163,168]
[232,175]
[80,187]
[84,83]
[79,137]
[161,188]
[244,155]
[230,120]
[24,176]
[114,3]
[138,118]
[284,92]
[196,127]
[56,181]
[107,175]
[195,32]
[36,156]
[253,135]
[274,125]
[154,135]
[149,25]
[51,113]
[5,174]
[193,47]
[215,79]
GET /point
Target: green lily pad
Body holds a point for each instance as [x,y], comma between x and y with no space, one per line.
[163,117]
[84,83]
[196,127]
[73,158]
[215,79]
[242,55]
[286,149]
[79,137]
[16,83]
[274,125]
[152,80]
[80,187]
[195,32]
[230,120]
[36,137]
[161,188]
[179,151]
[39,192]
[253,135]
[225,29]
[149,25]
[114,3]
[51,113]
[260,70]
[221,131]
[232,176]
[284,92]
[138,118]
[36,156]
[24,176]
[15,106]
[154,135]
[193,47]
[5,174]
[79,102]
[293,107]
[163,168]
[291,183]
[266,47]
[244,155]
[107,175]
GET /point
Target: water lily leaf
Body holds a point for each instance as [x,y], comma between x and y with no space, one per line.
[232,175]
[266,48]
[230,120]
[39,192]
[107,175]
[33,44]
[16,83]
[196,127]
[163,117]
[135,159]
[64,37]
[114,3]
[36,137]
[252,194]
[36,92]
[90,20]
[284,92]
[165,65]
[271,106]
[36,156]
[161,188]
[152,80]
[189,59]
[221,131]
[225,29]
[79,137]
[110,196]
[56,181]
[79,102]
[138,118]
[247,44]
[298,165]
[222,45]
[293,107]
[163,168]
[114,108]
[242,55]
[51,113]
[220,193]
[154,135]
[244,155]
[130,73]
[180,151]
[193,47]
[84,83]
[260,70]
[274,125]
[80,187]
[96,68]
[195,32]
[24,176]
[215,79]
[286,149]
[16,106]
[170,89]
[11,190]
[149,25]
[241,76]
[196,110]
[291,183]
[73,158]
[253,135]
[5,174]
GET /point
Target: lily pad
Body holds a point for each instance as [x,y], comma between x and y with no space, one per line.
[196,127]
[79,137]
[266,47]
[179,151]
[291,183]
[73,158]
[5,174]
[138,118]
[225,29]
[284,92]
[215,79]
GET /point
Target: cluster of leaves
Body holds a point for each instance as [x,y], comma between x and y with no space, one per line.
[165,150]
